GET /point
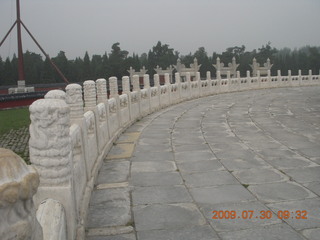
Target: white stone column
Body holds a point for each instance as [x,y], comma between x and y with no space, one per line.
[136,83]
[102,95]
[90,95]
[18,184]
[113,85]
[208,75]
[156,80]
[51,154]
[146,81]
[125,85]
[167,79]
[75,101]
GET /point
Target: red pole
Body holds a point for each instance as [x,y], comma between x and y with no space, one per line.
[20,53]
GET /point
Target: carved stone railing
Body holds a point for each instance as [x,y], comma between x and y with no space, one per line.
[71,132]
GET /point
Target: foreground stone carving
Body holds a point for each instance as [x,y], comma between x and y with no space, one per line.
[18,184]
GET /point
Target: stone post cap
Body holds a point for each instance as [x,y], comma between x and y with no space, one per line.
[55,94]
[17,179]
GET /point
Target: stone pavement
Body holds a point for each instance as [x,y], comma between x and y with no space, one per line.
[243,165]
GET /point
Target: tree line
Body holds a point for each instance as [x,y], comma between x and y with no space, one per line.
[118,61]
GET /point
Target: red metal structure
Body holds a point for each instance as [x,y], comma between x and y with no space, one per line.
[19,23]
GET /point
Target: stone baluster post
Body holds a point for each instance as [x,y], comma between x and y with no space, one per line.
[75,102]
[198,79]
[156,80]
[136,83]
[229,80]
[51,154]
[208,75]
[146,81]
[300,77]
[259,79]
[114,93]
[18,184]
[125,85]
[248,83]
[102,95]
[167,79]
[289,77]
[219,80]
[279,77]
[310,76]
[90,95]
[178,82]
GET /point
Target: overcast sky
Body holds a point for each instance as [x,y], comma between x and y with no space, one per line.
[76,26]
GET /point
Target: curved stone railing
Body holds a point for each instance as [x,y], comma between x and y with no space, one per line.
[71,132]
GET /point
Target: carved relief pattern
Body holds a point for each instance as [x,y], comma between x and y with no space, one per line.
[123,100]
[89,90]
[49,142]
[74,100]
[112,105]
[101,85]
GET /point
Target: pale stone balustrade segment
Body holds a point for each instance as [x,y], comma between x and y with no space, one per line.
[71,132]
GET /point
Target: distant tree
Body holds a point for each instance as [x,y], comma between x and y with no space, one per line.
[161,55]
[116,59]
[86,67]
[33,65]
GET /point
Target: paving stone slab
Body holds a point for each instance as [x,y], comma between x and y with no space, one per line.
[191,147]
[256,176]
[200,166]
[109,207]
[212,178]
[160,194]
[273,232]
[153,166]
[167,216]
[291,162]
[113,171]
[221,194]
[277,192]
[311,206]
[304,175]
[153,148]
[155,179]
[130,236]
[194,156]
[240,164]
[120,151]
[248,215]
[191,233]
[314,187]
[312,234]
[152,156]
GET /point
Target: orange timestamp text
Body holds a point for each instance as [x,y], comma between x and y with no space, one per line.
[263,214]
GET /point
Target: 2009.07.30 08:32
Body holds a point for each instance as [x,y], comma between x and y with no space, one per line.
[264,214]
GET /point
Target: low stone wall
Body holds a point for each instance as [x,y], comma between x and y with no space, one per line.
[71,132]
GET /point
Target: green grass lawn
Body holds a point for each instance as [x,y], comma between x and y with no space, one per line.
[13,119]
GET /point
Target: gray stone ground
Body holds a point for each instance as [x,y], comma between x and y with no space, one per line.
[250,152]
[18,141]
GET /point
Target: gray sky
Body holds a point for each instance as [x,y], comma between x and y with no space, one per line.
[76,26]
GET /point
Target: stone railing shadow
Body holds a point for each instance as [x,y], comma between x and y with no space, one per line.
[71,132]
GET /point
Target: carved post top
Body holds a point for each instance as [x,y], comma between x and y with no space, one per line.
[146,81]
[156,80]
[125,84]
[238,74]
[90,94]
[42,107]
[208,75]
[177,76]
[167,79]
[188,77]
[248,74]
[56,94]
[113,84]
[279,72]
[73,92]
[198,77]
[135,83]
[17,179]
[101,85]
